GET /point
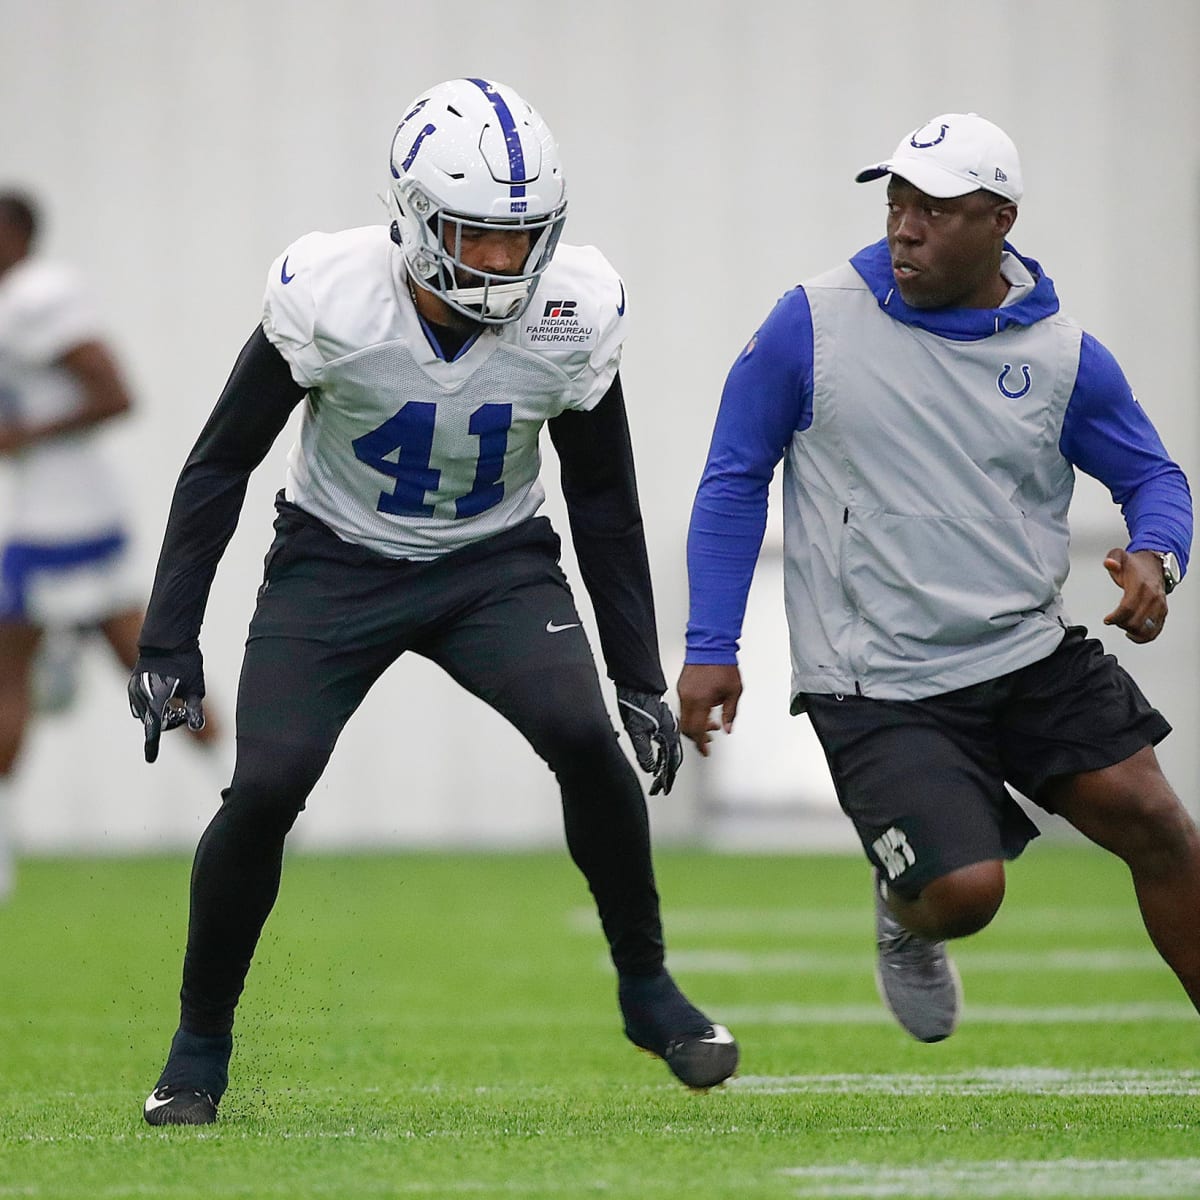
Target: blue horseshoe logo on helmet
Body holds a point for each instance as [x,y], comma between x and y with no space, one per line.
[912,141]
[408,161]
[1004,374]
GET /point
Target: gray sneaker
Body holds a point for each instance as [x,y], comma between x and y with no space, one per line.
[916,979]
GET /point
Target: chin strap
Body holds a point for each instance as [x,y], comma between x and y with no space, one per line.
[496,300]
[492,303]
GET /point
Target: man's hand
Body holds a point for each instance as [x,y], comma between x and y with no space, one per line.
[648,720]
[163,700]
[1143,607]
[703,687]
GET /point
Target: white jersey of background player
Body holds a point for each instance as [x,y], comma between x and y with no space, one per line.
[337,311]
[61,491]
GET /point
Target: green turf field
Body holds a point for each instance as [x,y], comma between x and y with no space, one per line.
[429,1025]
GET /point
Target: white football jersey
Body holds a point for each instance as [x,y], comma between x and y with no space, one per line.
[59,490]
[400,450]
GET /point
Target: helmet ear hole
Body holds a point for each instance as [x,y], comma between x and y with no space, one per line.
[472,153]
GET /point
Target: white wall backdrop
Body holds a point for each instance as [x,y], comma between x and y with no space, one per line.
[710,148]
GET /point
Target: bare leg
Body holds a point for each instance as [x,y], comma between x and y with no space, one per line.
[1131,810]
[121,631]
[18,645]
[955,905]
[916,979]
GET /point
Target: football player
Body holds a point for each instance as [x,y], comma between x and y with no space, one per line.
[63,549]
[428,353]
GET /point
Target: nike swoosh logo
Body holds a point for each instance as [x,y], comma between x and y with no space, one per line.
[147,689]
[284,277]
[153,1101]
[720,1036]
[621,306]
[552,628]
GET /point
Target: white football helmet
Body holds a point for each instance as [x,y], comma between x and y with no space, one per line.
[472,154]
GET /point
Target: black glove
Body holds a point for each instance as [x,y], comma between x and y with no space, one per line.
[165,692]
[647,719]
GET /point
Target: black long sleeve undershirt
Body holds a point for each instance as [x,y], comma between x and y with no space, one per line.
[598,482]
[252,409]
[600,487]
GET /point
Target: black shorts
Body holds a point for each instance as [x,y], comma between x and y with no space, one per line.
[924,780]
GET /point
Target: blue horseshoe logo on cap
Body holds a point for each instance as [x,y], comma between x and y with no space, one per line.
[912,141]
[1003,374]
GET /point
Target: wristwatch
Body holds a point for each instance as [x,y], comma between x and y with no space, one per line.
[1171,572]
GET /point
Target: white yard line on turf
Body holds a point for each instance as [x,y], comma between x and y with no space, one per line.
[1148,1179]
[975,1014]
[1032,1081]
[786,962]
[858,919]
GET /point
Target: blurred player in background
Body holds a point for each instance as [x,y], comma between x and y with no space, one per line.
[63,566]
[427,355]
[932,405]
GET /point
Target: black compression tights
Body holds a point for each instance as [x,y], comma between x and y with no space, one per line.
[235,878]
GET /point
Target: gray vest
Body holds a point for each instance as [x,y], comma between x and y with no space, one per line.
[925,509]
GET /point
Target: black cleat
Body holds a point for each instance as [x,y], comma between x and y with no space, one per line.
[703,1062]
[193,1081]
[661,1020]
[173,1105]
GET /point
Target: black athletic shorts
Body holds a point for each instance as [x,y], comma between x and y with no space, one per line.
[924,780]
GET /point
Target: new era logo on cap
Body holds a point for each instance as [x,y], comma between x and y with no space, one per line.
[954,154]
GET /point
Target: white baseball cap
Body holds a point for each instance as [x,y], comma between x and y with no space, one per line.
[952,155]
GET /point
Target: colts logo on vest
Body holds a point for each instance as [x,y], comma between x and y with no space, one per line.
[1004,376]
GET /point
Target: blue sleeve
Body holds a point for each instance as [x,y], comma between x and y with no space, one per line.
[1107,434]
[767,398]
